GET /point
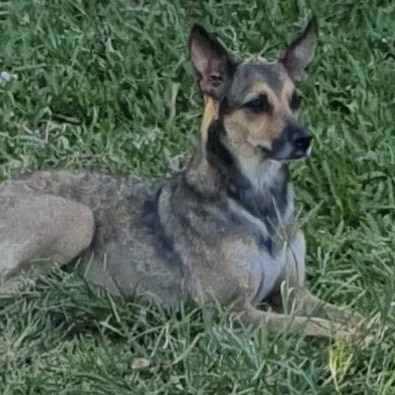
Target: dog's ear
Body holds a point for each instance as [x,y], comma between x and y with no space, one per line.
[301,52]
[213,65]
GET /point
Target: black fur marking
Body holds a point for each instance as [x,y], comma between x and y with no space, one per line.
[292,131]
[263,242]
[222,159]
[150,220]
[268,209]
[224,108]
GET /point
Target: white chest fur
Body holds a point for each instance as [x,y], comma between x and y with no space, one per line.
[261,176]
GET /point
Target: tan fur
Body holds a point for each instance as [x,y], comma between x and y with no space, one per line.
[210,113]
[250,130]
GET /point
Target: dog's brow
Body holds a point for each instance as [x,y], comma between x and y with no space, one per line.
[256,77]
[261,88]
[267,72]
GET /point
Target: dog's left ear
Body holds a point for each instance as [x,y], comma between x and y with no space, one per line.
[212,62]
[301,52]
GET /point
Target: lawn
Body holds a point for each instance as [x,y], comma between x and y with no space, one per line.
[107,85]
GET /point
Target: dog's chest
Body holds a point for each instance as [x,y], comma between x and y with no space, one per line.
[265,263]
[269,270]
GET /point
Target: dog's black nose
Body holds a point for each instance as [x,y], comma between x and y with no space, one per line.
[302,139]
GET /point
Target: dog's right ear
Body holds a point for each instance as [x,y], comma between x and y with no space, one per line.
[213,65]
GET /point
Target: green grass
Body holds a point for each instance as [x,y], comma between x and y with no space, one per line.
[92,91]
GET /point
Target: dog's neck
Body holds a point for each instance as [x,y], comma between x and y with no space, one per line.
[262,189]
[259,187]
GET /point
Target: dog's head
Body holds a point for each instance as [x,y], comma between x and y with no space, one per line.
[256,100]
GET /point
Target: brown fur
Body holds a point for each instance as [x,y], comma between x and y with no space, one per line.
[223,230]
[210,114]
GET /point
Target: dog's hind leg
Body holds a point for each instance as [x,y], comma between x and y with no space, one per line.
[40,226]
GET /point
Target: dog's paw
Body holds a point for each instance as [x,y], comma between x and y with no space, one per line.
[356,333]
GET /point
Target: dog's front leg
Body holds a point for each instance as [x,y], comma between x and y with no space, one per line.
[300,299]
[305,303]
[276,323]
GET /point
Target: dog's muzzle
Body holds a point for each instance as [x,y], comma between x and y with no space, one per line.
[294,143]
[302,140]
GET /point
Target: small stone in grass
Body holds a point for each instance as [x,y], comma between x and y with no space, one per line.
[140,363]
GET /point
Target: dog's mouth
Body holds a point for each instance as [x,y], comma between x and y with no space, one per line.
[288,152]
[289,146]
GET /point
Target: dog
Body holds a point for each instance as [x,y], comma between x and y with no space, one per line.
[223,230]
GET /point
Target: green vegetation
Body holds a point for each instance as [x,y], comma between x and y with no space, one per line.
[94,90]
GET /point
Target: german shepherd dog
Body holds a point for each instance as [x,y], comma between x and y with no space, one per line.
[223,230]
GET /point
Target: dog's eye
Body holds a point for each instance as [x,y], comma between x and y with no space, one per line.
[295,101]
[259,105]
